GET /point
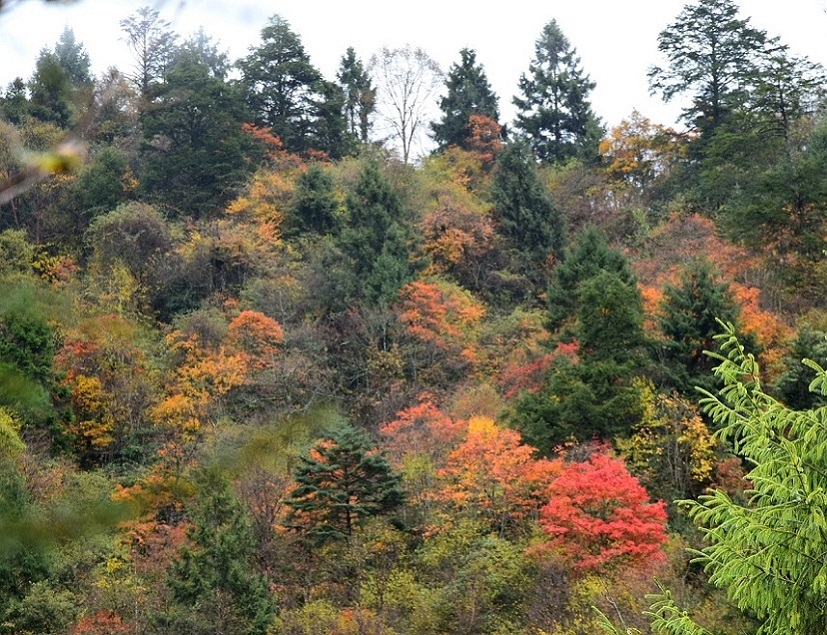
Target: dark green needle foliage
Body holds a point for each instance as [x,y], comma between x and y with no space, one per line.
[468,93]
[525,213]
[689,319]
[553,112]
[214,581]
[587,256]
[767,553]
[316,206]
[341,481]
[376,237]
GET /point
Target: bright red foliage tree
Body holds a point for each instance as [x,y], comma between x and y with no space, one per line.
[600,516]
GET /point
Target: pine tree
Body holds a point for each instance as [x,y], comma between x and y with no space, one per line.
[340,482]
[524,211]
[554,113]
[214,581]
[194,147]
[468,93]
[360,94]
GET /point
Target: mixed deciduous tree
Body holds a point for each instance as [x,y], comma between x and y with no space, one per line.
[442,322]
[639,153]
[493,474]
[554,113]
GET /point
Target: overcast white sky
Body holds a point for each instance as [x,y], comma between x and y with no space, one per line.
[616,39]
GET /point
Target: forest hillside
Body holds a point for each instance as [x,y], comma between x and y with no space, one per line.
[264,369]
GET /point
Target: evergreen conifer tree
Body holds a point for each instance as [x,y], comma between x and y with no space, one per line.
[214,581]
[690,313]
[288,95]
[359,93]
[554,113]
[376,237]
[588,255]
[468,93]
[524,211]
[767,553]
[315,207]
[340,482]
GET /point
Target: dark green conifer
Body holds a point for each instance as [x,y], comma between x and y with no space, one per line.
[468,93]
[342,481]
[524,211]
[554,113]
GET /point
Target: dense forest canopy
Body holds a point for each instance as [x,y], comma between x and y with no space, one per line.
[266,368]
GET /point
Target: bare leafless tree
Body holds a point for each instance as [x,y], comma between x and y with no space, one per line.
[407,81]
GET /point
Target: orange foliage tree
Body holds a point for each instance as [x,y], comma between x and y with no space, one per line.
[443,320]
[495,475]
[457,227]
[638,151]
[108,373]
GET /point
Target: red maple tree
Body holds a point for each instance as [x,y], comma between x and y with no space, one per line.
[600,516]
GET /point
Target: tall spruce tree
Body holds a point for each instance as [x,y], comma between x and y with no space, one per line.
[73,59]
[215,585]
[288,95]
[524,211]
[554,113]
[315,208]
[689,319]
[50,91]
[468,93]
[594,396]
[588,255]
[376,238]
[194,147]
[359,93]
[14,104]
[343,480]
